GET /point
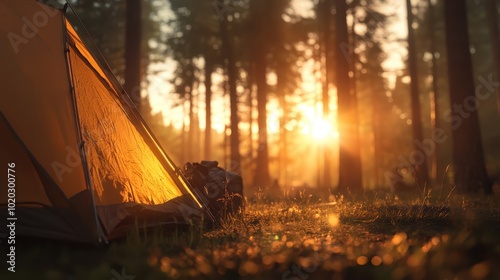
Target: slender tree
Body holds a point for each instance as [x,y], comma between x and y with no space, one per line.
[192,130]
[197,36]
[492,15]
[436,110]
[327,73]
[262,176]
[250,99]
[350,177]
[281,90]
[421,169]
[368,85]
[133,41]
[208,106]
[259,50]
[284,58]
[232,74]
[468,161]
[354,94]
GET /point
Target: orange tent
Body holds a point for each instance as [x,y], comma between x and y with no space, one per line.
[87,167]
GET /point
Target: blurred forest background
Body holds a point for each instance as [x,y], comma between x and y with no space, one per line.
[296,92]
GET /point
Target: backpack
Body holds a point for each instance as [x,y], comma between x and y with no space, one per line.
[222,189]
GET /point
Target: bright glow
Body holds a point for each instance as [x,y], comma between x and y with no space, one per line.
[273,125]
[333,220]
[315,126]
[321,129]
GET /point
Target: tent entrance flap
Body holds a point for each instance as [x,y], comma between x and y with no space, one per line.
[39,204]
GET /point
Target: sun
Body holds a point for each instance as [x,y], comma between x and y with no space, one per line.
[317,127]
[321,129]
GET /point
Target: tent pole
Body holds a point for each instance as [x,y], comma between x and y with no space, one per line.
[81,145]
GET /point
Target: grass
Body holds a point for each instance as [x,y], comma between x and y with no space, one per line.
[374,236]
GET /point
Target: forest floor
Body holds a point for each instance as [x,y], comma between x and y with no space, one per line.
[378,236]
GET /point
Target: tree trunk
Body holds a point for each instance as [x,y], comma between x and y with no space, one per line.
[197,156]
[437,170]
[250,84]
[492,15]
[421,171]
[377,138]
[262,177]
[354,95]
[469,168]
[327,149]
[283,149]
[184,149]
[208,108]
[133,40]
[235,160]
[350,177]
[191,131]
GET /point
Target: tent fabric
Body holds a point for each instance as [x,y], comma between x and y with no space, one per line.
[17,154]
[120,218]
[121,171]
[34,80]
[87,167]
[78,44]
[43,209]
